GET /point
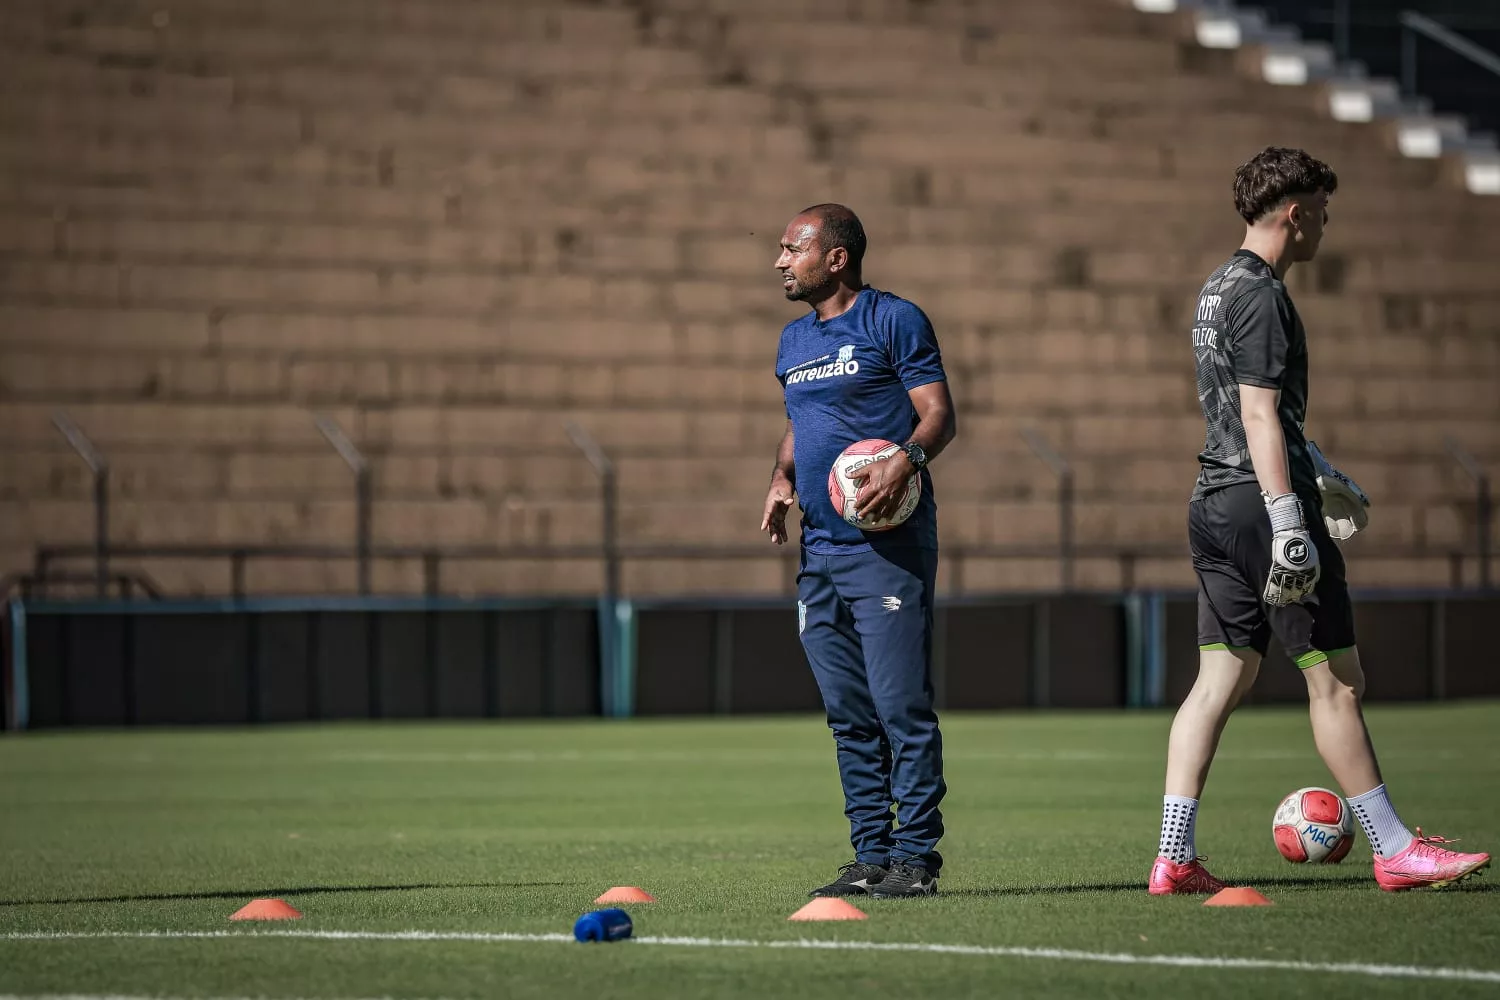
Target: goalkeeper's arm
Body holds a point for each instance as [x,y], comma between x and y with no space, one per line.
[1294,558]
[1264,438]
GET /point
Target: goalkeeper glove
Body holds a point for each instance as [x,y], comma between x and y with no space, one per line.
[1294,558]
[1345,505]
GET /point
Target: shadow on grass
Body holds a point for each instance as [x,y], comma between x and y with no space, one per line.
[301,890]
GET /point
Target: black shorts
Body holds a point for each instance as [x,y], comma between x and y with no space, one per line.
[1230,534]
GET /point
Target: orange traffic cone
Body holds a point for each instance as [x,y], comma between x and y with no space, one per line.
[829,908]
[1240,896]
[626,894]
[265,909]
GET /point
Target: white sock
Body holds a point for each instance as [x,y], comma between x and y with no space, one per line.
[1377,817]
[1179,818]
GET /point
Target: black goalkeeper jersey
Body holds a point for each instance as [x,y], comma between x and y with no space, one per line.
[1247,332]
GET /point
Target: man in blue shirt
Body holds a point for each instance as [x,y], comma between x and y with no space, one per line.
[865,364]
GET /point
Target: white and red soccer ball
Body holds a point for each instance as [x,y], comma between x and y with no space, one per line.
[1313,826]
[841,490]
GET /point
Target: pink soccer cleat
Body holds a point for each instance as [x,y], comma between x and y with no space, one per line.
[1169,878]
[1425,862]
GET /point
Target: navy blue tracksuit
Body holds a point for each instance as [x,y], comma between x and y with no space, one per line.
[865,598]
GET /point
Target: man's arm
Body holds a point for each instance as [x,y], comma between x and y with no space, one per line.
[937,423]
[1263,436]
[882,484]
[786,457]
[1294,558]
[783,491]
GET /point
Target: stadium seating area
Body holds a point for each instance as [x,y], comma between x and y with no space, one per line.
[453,225]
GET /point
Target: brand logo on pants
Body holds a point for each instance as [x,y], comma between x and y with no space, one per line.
[801,617]
[891,603]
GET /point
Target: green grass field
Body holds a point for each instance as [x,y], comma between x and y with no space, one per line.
[512,829]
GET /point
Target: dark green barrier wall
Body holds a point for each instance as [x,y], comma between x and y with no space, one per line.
[163,668]
[291,661]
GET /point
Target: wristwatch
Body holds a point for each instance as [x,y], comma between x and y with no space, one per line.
[915,454]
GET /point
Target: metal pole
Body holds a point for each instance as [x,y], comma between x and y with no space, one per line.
[92,457]
[609,488]
[613,668]
[1341,30]
[41,567]
[1408,61]
[1064,472]
[609,496]
[364,517]
[101,531]
[1484,513]
[1065,527]
[363,493]
[1482,506]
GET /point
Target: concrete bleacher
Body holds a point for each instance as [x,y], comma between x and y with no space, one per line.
[453,225]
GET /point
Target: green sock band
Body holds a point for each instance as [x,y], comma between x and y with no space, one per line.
[1311,658]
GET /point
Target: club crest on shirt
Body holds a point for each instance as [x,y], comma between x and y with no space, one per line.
[846,353]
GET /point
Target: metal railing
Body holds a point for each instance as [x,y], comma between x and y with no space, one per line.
[54,564]
[1414,24]
[126,584]
[52,561]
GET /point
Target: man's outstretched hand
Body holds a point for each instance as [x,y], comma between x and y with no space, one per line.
[779,500]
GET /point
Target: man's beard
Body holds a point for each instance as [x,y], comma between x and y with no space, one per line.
[800,292]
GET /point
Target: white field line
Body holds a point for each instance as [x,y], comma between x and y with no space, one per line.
[986,951]
[156,996]
[153,996]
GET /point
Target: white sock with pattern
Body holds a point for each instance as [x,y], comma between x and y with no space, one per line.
[1179,819]
[1377,817]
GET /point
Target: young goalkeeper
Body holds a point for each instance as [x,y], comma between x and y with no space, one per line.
[1259,526]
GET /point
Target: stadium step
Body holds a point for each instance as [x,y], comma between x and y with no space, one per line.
[226,217]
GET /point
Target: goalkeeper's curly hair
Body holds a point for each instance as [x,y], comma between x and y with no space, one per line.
[1276,174]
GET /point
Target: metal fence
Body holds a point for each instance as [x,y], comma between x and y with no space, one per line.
[55,566]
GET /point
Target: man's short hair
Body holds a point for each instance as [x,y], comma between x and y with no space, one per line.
[1276,174]
[841,228]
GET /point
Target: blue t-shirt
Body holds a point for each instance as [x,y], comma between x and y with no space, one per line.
[847,380]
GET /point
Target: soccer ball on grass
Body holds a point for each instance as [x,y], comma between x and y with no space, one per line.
[1313,826]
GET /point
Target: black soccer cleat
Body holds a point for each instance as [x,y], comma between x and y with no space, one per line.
[905,880]
[855,879]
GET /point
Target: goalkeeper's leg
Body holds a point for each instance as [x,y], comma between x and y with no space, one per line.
[1224,675]
[1334,689]
[1232,634]
[1319,637]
